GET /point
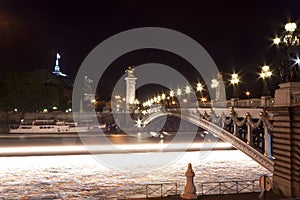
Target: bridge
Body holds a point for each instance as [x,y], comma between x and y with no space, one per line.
[265,129]
[247,129]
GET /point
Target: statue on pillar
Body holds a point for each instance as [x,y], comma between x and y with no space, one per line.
[189,189]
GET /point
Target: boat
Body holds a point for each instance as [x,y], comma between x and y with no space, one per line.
[52,126]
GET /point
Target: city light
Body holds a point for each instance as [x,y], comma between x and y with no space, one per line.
[276,40]
[199,87]
[172,93]
[178,92]
[234,79]
[214,83]
[297,61]
[265,73]
[187,89]
[203,99]
[291,27]
[163,96]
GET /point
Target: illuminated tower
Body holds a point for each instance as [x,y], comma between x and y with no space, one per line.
[57,71]
[130,87]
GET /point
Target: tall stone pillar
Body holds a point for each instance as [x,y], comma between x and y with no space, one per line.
[130,97]
[130,87]
[286,139]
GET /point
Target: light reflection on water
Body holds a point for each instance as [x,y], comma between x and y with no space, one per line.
[82,177]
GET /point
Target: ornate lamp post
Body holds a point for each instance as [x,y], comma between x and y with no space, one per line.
[288,42]
[265,73]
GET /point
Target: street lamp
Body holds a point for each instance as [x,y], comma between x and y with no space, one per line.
[172,93]
[187,89]
[179,92]
[199,87]
[234,81]
[265,73]
[288,42]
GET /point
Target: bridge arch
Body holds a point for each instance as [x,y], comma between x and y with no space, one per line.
[220,132]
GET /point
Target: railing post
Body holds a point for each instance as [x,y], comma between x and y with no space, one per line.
[249,135]
[267,139]
[161,190]
[235,132]
[237,187]
[146,191]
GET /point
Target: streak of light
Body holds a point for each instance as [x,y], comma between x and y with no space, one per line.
[38,150]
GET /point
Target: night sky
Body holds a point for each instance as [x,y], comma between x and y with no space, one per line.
[237,34]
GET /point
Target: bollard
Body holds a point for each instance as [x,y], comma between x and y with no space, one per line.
[189,189]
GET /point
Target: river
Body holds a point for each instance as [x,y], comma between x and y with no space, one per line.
[84,177]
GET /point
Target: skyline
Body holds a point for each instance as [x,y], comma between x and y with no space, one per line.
[238,37]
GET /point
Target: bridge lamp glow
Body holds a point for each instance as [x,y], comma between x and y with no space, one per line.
[291,27]
[151,101]
[297,61]
[179,92]
[172,93]
[276,41]
[144,112]
[234,78]
[203,99]
[155,99]
[247,93]
[187,89]
[265,73]
[117,97]
[158,98]
[199,87]
[163,96]
[265,68]
[54,108]
[139,123]
[214,83]
[184,100]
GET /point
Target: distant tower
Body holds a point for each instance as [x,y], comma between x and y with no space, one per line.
[57,71]
[130,86]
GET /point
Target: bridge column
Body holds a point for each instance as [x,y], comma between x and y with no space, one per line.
[249,135]
[286,139]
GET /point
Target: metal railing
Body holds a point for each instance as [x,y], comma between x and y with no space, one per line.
[154,190]
[229,187]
